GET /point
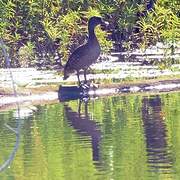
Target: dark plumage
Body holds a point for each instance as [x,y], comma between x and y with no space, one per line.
[86,54]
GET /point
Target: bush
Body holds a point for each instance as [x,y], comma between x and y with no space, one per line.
[56,28]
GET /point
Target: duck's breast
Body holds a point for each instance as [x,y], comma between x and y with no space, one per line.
[93,54]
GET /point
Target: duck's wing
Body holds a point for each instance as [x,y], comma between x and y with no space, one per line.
[80,54]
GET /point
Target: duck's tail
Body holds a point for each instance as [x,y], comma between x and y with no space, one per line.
[66,74]
[65,77]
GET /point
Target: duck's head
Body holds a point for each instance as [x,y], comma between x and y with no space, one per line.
[95,20]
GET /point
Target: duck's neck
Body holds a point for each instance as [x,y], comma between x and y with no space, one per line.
[92,35]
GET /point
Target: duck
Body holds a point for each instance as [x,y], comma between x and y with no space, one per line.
[86,54]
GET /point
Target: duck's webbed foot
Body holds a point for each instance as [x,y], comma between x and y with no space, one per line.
[88,85]
[84,90]
[84,86]
[94,86]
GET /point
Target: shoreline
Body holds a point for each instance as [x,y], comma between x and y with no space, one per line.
[148,87]
[111,77]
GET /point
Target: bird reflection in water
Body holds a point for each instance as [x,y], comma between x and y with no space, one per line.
[158,151]
[86,127]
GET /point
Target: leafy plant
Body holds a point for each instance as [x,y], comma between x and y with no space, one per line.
[58,27]
[27,55]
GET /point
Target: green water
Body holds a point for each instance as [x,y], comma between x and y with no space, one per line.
[125,137]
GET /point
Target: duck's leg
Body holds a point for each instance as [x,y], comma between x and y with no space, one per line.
[85,78]
[79,82]
[85,85]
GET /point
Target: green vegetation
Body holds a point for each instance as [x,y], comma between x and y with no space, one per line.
[42,33]
[162,24]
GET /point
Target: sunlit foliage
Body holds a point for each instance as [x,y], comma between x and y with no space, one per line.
[58,27]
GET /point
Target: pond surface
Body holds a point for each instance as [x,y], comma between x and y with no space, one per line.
[123,137]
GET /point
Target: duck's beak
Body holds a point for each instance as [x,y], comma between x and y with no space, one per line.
[104,24]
